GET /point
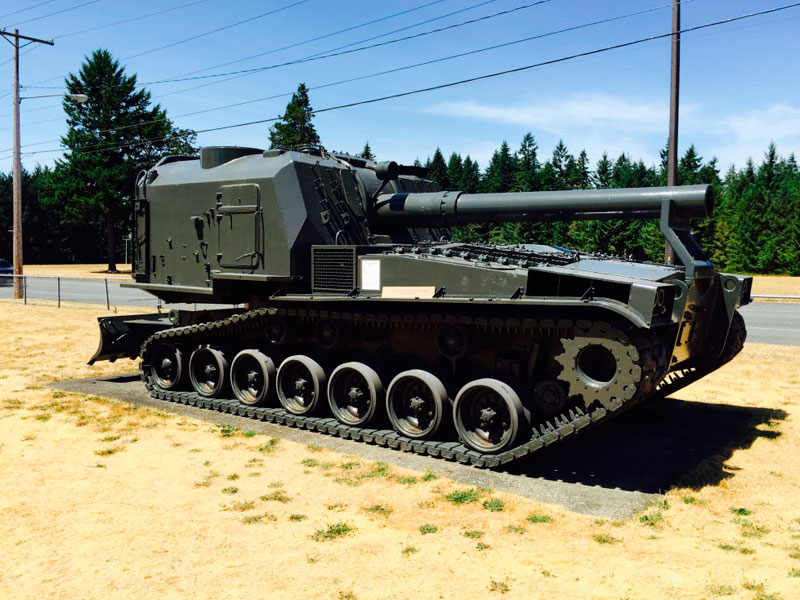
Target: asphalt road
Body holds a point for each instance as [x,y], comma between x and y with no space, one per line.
[84,290]
[773,322]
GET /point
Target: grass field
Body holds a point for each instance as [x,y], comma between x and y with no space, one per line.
[107,500]
[79,270]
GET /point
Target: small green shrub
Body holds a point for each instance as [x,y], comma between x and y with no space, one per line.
[473,534]
[742,512]
[230,490]
[652,519]
[270,446]
[464,496]
[428,528]
[499,586]
[297,517]
[429,475]
[334,531]
[726,547]
[377,509]
[602,538]
[534,518]
[721,590]
[692,500]
[494,505]
[276,496]
[379,470]
[406,480]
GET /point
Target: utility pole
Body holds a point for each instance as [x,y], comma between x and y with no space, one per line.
[672,144]
[17,169]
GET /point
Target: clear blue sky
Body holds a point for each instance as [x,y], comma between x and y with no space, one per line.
[739,82]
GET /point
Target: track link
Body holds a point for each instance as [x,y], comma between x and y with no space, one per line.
[553,430]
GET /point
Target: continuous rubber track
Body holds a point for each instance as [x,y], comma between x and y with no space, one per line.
[554,430]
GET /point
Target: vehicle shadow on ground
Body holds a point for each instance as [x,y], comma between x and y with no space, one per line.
[656,446]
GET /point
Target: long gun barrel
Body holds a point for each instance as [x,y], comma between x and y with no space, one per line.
[448,209]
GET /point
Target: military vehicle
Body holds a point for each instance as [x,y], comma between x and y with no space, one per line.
[355,314]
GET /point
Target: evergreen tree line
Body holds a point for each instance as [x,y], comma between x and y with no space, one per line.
[755,227]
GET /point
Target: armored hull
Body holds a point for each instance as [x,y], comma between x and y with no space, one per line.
[361,318]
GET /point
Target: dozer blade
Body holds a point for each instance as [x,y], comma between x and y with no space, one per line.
[122,336]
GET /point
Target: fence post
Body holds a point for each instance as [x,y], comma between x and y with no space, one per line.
[108,304]
[24,289]
[58,280]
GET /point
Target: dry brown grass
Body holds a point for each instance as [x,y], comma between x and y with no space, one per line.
[107,500]
[79,271]
[782,285]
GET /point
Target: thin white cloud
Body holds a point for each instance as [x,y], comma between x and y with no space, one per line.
[598,111]
[638,127]
[778,122]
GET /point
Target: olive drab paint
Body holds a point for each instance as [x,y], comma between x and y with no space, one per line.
[352,289]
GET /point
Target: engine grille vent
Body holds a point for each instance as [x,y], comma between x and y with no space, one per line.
[333,268]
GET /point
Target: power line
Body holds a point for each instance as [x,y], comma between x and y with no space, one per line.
[317,56]
[131,20]
[319,37]
[100,148]
[394,70]
[58,12]
[207,33]
[107,25]
[314,57]
[26,9]
[336,51]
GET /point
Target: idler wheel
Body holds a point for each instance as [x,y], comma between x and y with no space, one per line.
[415,402]
[208,371]
[488,416]
[166,366]
[355,392]
[300,384]
[252,377]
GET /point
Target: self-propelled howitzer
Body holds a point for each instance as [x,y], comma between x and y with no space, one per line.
[360,317]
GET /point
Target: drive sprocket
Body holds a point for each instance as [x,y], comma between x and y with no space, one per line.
[600,364]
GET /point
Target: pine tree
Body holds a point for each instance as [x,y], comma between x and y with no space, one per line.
[560,163]
[579,175]
[526,178]
[455,170]
[295,129]
[112,137]
[366,153]
[499,175]
[603,172]
[470,181]
[437,171]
